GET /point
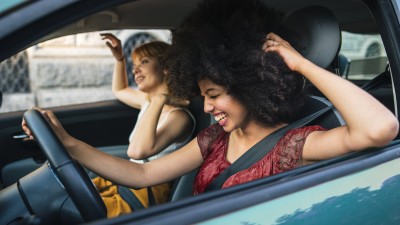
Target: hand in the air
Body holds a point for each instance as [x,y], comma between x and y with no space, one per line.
[114,44]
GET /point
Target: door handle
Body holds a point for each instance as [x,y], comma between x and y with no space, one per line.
[20,137]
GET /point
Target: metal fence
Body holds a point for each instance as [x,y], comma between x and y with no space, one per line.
[14,74]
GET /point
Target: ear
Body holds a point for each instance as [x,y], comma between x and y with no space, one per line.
[165,74]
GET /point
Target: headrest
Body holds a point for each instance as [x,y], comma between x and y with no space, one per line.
[318,31]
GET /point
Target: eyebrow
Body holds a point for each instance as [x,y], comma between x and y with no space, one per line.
[210,89]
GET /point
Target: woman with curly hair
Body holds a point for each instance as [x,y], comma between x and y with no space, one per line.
[252,83]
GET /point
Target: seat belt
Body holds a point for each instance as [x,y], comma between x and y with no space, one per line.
[383,78]
[130,198]
[261,148]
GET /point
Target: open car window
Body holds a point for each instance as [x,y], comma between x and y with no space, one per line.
[73,69]
[362,56]
[78,68]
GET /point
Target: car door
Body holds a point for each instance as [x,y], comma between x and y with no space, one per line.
[354,189]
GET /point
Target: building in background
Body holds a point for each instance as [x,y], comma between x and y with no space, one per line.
[67,70]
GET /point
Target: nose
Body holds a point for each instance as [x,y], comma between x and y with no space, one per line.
[208,107]
[136,69]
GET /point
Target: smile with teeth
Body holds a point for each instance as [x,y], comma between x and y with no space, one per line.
[139,79]
[220,117]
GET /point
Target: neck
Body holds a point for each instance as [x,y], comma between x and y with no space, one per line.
[161,89]
[241,140]
[253,133]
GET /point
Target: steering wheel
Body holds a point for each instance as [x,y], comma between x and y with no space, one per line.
[70,173]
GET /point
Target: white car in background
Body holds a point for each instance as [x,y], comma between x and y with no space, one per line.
[362,56]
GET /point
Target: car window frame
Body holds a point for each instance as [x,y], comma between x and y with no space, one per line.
[386,18]
[12,5]
[49,12]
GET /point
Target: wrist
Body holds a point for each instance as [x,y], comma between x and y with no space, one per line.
[69,142]
[122,58]
[304,66]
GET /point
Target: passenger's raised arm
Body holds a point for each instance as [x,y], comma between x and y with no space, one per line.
[120,87]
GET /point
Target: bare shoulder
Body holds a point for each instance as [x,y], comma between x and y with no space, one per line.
[181,114]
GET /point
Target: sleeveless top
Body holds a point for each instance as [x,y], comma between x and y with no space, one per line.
[174,146]
[213,143]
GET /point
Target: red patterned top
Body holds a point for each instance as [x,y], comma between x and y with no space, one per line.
[213,143]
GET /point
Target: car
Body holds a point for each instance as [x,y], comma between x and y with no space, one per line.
[40,184]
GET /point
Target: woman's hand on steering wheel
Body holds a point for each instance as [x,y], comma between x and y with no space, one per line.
[53,122]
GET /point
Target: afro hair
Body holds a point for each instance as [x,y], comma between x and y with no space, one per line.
[221,40]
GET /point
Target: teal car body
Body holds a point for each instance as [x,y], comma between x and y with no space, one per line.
[358,188]
[353,199]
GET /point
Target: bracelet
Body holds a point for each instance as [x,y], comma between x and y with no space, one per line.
[120,59]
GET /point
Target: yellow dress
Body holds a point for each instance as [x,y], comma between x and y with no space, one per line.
[117,206]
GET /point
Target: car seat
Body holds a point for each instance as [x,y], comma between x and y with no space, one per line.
[319,33]
[182,186]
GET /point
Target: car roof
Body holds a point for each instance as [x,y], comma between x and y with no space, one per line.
[44,20]
[168,14]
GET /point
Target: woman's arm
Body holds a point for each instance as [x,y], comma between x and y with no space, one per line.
[122,171]
[137,175]
[120,87]
[368,122]
[149,140]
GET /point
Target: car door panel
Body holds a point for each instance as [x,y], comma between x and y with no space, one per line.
[345,190]
[346,200]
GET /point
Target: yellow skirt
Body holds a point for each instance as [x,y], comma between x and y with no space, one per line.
[117,206]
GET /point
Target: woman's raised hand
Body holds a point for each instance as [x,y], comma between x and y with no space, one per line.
[292,58]
[114,44]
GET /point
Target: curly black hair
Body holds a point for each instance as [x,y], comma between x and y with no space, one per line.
[222,41]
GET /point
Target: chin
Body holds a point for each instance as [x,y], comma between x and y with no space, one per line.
[228,128]
[142,88]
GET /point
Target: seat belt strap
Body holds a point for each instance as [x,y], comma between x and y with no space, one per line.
[261,148]
[150,196]
[130,198]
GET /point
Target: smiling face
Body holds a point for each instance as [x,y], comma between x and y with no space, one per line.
[147,75]
[227,111]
